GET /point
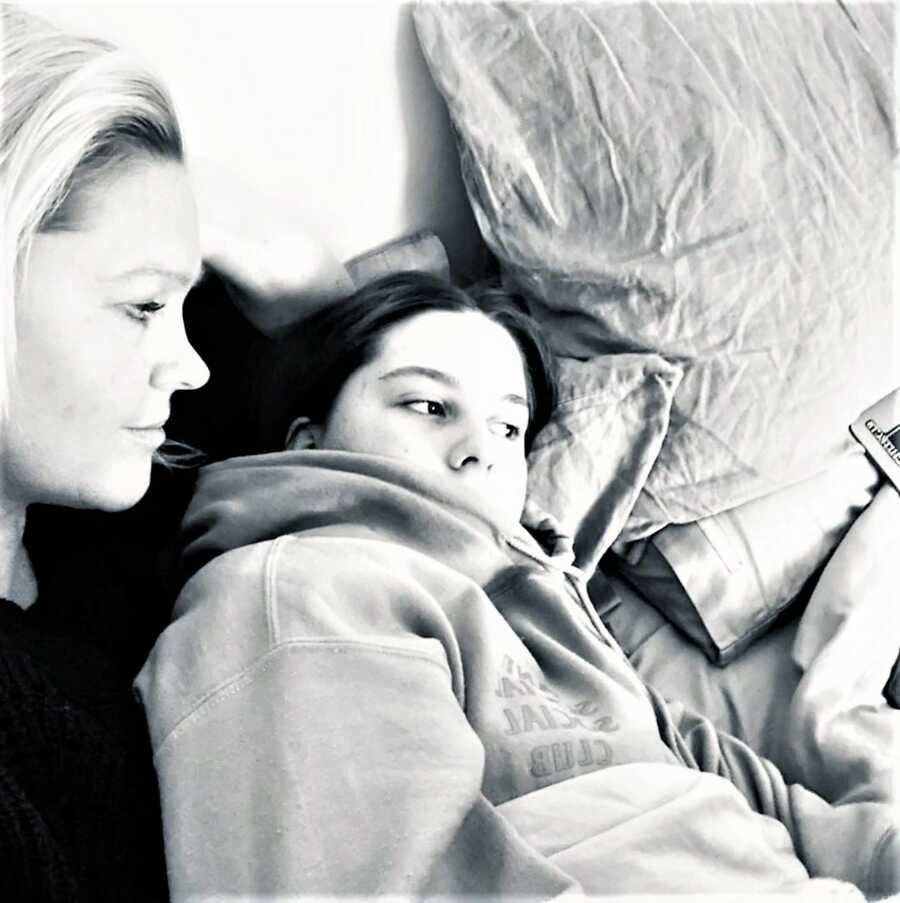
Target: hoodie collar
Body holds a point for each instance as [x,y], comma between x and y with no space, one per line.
[257,498]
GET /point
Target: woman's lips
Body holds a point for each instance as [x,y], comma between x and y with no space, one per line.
[150,435]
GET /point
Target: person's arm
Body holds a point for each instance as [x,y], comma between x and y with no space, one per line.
[336,758]
[857,841]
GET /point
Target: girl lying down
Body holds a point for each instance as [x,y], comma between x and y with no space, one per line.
[378,681]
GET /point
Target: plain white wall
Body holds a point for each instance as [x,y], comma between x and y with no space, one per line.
[325,108]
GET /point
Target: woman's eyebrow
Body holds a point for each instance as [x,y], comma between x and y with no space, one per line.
[440,376]
[176,276]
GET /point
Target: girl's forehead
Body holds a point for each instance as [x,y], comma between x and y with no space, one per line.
[464,344]
[460,337]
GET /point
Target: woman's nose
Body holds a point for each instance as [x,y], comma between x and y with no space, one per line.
[179,367]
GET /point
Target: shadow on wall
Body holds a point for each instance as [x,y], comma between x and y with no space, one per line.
[434,188]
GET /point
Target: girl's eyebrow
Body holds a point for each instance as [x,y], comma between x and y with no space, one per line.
[427,372]
[440,376]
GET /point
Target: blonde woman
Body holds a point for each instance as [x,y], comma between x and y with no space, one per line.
[100,247]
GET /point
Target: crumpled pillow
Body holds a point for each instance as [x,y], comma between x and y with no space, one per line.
[588,464]
[723,580]
[422,251]
[710,182]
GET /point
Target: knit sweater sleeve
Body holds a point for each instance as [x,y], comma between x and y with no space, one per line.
[79,815]
[42,870]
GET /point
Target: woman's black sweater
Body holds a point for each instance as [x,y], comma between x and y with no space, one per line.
[79,807]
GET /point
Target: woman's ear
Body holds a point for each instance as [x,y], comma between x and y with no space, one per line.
[303,434]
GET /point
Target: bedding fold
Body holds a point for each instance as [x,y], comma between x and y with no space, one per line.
[845,740]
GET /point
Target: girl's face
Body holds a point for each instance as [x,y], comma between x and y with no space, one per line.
[101,343]
[446,390]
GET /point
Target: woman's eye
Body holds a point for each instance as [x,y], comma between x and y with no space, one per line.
[144,310]
[430,408]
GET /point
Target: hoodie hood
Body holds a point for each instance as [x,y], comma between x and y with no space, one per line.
[256,498]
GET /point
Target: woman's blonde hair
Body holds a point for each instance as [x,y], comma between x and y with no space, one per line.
[73,109]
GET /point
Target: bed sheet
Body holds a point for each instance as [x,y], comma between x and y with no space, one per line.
[748,698]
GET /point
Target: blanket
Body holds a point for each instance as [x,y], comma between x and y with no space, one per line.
[845,738]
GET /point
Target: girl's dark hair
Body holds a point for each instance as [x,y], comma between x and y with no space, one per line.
[307,368]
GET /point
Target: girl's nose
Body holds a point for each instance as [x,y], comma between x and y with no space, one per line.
[473,450]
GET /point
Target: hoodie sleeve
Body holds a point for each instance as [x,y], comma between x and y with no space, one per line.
[856,840]
[309,735]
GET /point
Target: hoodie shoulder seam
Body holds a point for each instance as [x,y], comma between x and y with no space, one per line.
[270,580]
[231,687]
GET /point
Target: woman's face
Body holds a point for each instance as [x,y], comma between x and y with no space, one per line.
[101,345]
[446,390]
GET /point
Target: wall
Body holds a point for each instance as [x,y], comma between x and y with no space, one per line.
[324,108]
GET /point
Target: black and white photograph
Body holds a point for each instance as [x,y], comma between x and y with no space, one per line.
[449,450]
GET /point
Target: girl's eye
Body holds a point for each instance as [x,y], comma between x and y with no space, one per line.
[430,408]
[508,431]
[144,310]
